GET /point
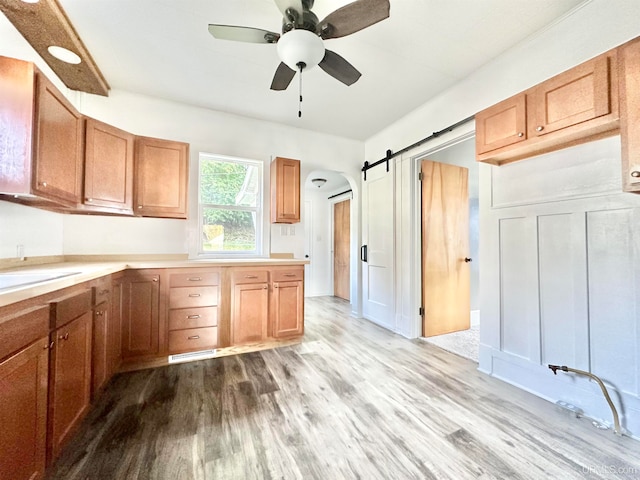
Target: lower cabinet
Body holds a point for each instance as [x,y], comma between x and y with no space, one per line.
[70,368]
[194,298]
[266,303]
[249,311]
[23,412]
[139,308]
[287,303]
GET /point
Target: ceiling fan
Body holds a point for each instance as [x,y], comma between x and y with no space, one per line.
[300,46]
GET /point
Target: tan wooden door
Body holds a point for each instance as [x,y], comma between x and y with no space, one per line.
[341,254]
[445,248]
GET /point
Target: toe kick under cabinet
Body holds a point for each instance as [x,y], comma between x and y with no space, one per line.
[194,298]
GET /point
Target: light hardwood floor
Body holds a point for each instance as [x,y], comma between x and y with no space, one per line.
[353,401]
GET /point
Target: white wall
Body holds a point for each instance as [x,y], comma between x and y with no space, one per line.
[513,343]
[40,232]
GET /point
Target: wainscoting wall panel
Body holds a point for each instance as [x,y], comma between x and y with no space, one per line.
[613,292]
[560,278]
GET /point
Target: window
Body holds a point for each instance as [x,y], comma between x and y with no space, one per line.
[230,206]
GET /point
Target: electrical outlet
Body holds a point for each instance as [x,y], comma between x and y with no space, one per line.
[284,230]
[292,230]
[20,252]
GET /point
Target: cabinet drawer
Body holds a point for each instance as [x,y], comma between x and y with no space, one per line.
[192,339]
[183,297]
[66,309]
[194,279]
[26,327]
[287,275]
[101,291]
[193,318]
[250,276]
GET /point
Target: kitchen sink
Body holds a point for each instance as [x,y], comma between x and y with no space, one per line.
[13,280]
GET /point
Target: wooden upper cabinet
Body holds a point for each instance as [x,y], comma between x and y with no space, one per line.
[574,107]
[285,190]
[162,175]
[58,147]
[575,96]
[108,170]
[41,151]
[17,93]
[502,124]
[630,115]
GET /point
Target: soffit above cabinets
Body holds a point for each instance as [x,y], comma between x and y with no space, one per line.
[44,24]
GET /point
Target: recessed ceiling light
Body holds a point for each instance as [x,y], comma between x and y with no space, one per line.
[63,54]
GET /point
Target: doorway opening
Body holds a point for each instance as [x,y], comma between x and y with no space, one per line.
[464,342]
[330,236]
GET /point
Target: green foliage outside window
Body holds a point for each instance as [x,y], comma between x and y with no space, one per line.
[229,197]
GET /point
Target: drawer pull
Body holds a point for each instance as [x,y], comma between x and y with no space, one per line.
[193,316]
[289,274]
[64,337]
[250,276]
[194,294]
[195,279]
[635,174]
[193,337]
[103,292]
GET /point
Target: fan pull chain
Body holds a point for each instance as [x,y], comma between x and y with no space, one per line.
[301,66]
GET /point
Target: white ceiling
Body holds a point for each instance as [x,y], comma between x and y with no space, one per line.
[162,48]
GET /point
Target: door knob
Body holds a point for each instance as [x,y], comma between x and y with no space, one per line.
[467,259]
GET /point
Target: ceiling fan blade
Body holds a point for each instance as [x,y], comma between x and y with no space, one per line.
[339,68]
[283,77]
[295,5]
[353,17]
[243,34]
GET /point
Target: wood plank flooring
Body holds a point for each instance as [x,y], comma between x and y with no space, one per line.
[352,401]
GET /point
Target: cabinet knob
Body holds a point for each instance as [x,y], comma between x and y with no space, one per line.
[467,259]
[635,174]
[49,346]
[275,285]
[139,206]
[266,286]
[89,199]
[44,184]
[520,134]
[155,279]
[539,128]
[64,337]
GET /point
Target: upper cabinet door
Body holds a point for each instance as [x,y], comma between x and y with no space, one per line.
[502,124]
[575,96]
[58,146]
[162,175]
[108,171]
[630,115]
[285,190]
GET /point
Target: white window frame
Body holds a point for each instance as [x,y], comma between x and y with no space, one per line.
[260,210]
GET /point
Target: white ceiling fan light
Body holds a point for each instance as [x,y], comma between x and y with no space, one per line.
[300,46]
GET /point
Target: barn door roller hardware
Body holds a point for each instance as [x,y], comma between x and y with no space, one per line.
[391,155]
